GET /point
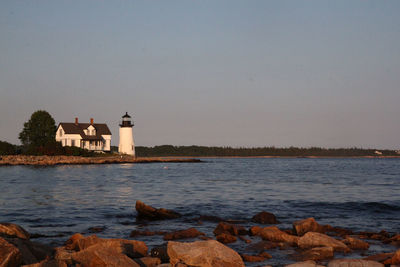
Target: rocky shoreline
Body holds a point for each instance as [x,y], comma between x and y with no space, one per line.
[308,243]
[11,160]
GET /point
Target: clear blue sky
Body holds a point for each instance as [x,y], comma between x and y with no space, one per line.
[238,73]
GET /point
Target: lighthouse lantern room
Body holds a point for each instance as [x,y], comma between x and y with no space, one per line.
[126,143]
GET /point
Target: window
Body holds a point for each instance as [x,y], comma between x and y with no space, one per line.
[61,132]
[72,142]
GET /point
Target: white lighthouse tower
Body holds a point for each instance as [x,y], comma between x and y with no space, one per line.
[126,143]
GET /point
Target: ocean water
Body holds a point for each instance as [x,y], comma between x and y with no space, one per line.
[55,202]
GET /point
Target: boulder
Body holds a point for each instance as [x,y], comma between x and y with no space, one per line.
[395,259]
[312,239]
[355,243]
[148,212]
[253,258]
[79,242]
[203,254]
[307,225]
[188,233]
[255,230]
[262,245]
[9,254]
[228,228]
[381,257]
[316,254]
[48,263]
[304,264]
[272,233]
[226,238]
[354,263]
[135,233]
[13,230]
[31,252]
[148,261]
[264,217]
[161,253]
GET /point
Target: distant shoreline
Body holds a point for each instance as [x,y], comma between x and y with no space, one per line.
[14,160]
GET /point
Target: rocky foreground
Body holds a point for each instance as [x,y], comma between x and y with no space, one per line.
[61,160]
[315,245]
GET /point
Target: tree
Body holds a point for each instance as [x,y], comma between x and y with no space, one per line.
[7,148]
[39,131]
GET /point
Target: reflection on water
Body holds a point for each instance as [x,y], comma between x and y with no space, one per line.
[361,194]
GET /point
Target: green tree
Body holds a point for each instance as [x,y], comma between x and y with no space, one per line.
[39,131]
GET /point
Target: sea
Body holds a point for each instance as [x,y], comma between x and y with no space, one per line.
[52,203]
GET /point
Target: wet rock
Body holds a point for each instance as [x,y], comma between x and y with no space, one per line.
[48,263]
[31,252]
[135,233]
[264,217]
[395,240]
[161,253]
[395,259]
[188,233]
[316,254]
[272,233]
[96,229]
[312,239]
[337,230]
[307,225]
[255,230]
[210,218]
[228,228]
[9,254]
[253,258]
[244,239]
[356,244]
[226,238]
[354,263]
[78,242]
[381,257]
[203,253]
[148,261]
[13,230]
[262,245]
[148,212]
[304,264]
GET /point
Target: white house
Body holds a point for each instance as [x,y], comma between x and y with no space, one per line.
[91,136]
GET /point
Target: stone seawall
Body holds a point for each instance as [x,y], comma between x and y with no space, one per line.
[58,160]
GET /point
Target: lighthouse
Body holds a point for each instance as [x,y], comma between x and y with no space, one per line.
[126,143]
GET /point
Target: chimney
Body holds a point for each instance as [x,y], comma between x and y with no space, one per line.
[76,121]
[91,121]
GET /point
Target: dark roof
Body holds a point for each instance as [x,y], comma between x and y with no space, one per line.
[126,115]
[72,128]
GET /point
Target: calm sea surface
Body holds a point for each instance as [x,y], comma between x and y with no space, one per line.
[359,194]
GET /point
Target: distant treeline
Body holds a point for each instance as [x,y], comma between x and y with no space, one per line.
[205,151]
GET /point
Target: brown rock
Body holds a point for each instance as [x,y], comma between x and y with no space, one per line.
[354,263]
[63,254]
[255,230]
[264,217]
[9,254]
[31,252]
[148,261]
[307,225]
[316,254]
[304,264]
[312,239]
[226,238]
[188,233]
[244,239]
[148,212]
[272,233]
[355,243]
[263,245]
[265,254]
[381,257]
[203,253]
[252,258]
[78,242]
[395,259]
[135,233]
[13,230]
[228,228]
[48,263]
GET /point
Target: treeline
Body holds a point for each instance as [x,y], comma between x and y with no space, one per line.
[205,151]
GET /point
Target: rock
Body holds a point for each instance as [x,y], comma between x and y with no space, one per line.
[161,253]
[316,254]
[265,254]
[96,229]
[228,228]
[304,264]
[252,258]
[210,218]
[13,230]
[188,233]
[63,254]
[262,245]
[31,252]
[135,233]
[255,230]
[148,261]
[244,239]
[355,243]
[312,239]
[78,242]
[307,225]
[354,263]
[272,233]
[264,217]
[203,253]
[148,212]
[226,238]
[395,259]
[381,257]
[9,254]
[48,263]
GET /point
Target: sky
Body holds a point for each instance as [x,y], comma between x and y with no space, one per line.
[207,72]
